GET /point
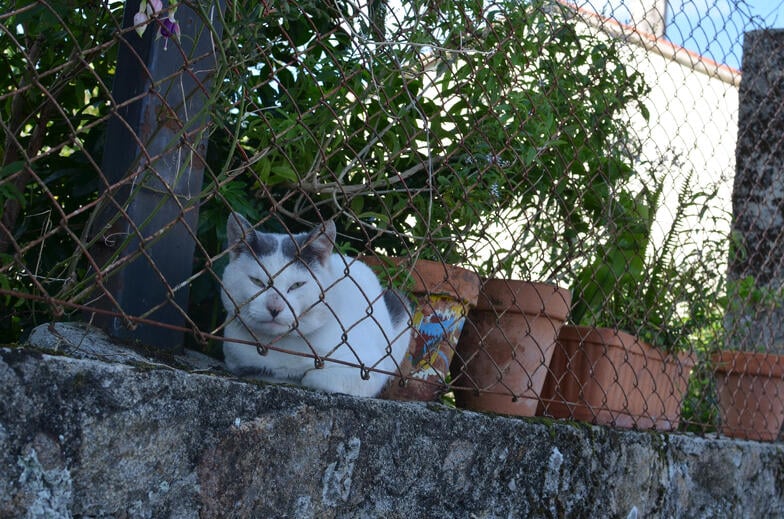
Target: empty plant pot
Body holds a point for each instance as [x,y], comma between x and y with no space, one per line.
[751,394]
[443,295]
[506,345]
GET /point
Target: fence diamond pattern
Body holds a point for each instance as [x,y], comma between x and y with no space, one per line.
[535,208]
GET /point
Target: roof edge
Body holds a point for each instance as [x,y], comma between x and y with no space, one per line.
[660,46]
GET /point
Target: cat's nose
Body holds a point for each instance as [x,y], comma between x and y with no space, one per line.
[274,310]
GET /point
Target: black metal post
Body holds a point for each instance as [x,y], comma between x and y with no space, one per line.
[154,164]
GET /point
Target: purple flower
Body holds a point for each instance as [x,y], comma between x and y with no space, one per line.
[169,28]
[148,10]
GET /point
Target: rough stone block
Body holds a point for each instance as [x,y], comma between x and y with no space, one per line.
[93,437]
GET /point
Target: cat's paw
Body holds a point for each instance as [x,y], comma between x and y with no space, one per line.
[344,380]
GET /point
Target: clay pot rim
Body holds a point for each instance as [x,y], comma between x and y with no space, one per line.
[434,278]
[502,295]
[615,338]
[751,363]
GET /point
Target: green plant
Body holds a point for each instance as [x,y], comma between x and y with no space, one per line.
[425,135]
[701,407]
[536,117]
[746,300]
[724,330]
[418,132]
[54,70]
[511,114]
[661,290]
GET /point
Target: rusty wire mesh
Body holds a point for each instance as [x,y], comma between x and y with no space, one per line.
[458,148]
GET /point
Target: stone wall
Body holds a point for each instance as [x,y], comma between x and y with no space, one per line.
[95,431]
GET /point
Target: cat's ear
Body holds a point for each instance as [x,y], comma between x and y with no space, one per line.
[320,242]
[237,229]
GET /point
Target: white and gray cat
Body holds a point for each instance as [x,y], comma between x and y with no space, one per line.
[293,292]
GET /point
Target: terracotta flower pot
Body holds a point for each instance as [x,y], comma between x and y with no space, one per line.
[751,394]
[444,294]
[503,354]
[609,377]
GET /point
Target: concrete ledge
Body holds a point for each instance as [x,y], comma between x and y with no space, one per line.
[91,437]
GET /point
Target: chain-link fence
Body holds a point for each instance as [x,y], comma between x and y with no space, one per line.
[539,194]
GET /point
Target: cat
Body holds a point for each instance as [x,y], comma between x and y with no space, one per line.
[295,293]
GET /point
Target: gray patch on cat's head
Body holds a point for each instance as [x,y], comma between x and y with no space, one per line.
[315,246]
[242,237]
[398,305]
[263,244]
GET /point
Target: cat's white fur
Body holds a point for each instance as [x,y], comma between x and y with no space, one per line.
[295,293]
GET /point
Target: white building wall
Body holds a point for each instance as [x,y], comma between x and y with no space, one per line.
[691,129]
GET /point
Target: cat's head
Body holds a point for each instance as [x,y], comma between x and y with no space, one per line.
[276,281]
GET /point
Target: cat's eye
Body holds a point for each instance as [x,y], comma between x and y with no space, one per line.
[296,285]
[258,282]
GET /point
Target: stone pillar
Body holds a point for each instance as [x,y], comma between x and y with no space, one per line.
[755,316]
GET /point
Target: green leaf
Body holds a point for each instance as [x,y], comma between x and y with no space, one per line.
[282,173]
[262,169]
